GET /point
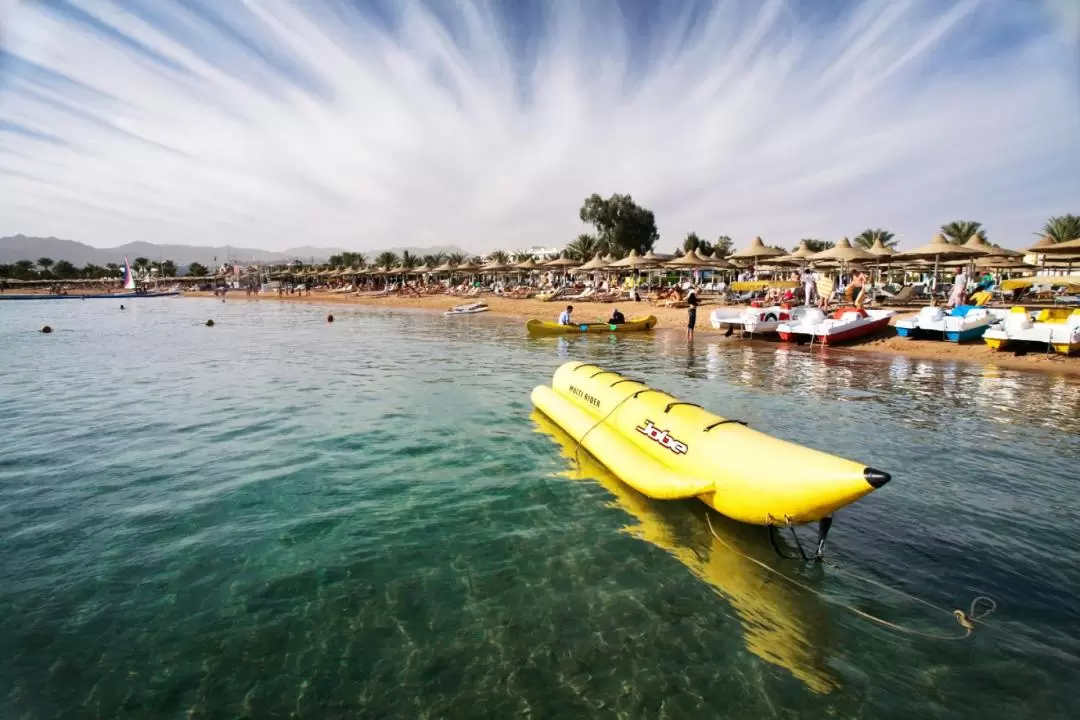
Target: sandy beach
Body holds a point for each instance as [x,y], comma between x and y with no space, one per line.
[674,320]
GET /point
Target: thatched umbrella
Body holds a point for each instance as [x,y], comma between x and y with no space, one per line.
[633,261]
[719,262]
[937,249]
[880,250]
[690,259]
[494,266]
[526,264]
[597,263]
[444,268]
[1070,247]
[420,269]
[562,262]
[756,250]
[469,267]
[845,252]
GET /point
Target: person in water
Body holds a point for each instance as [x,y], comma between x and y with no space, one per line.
[564,316]
[691,314]
[616,318]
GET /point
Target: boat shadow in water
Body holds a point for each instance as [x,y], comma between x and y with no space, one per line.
[784,626]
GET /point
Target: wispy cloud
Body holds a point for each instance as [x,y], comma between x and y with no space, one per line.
[276,124]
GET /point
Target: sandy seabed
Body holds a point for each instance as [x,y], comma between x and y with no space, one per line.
[674,320]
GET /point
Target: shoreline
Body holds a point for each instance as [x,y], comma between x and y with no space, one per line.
[674,320]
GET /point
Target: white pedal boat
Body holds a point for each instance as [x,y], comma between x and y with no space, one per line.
[1058,328]
[846,323]
[965,322]
[468,309]
[755,320]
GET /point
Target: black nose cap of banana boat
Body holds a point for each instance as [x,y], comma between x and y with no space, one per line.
[876,478]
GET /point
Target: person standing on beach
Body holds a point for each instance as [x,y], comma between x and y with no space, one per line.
[691,313]
[564,317]
[959,289]
[809,283]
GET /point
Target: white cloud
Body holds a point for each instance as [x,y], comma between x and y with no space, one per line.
[747,119]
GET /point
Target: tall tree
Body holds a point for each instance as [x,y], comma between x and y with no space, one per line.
[455,259]
[141,264]
[167,268]
[114,269]
[816,244]
[409,261]
[500,256]
[386,260]
[521,256]
[620,222]
[65,270]
[868,237]
[24,270]
[197,270]
[723,246]
[692,242]
[1062,228]
[45,263]
[6,271]
[959,232]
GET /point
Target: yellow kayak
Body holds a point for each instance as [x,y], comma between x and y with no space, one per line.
[668,450]
[541,327]
[780,626]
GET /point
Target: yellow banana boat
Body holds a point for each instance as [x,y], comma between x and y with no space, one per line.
[668,449]
[541,327]
[780,625]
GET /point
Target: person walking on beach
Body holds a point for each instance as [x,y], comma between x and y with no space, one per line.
[691,313]
[564,316]
[858,288]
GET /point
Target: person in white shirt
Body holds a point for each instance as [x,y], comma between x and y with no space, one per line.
[564,316]
[809,281]
[959,289]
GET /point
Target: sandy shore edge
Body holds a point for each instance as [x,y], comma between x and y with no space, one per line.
[674,319]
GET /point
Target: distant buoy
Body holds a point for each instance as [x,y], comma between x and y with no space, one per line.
[121,307]
[330,317]
[46,329]
[209,323]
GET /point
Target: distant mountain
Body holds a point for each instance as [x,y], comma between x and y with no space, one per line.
[21,247]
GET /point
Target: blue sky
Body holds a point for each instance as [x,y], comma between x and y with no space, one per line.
[274,124]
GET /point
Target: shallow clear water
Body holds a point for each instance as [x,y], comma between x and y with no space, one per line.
[281,517]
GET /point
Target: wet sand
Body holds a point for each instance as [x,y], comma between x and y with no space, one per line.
[674,319]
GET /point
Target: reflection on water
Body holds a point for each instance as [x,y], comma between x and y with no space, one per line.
[782,625]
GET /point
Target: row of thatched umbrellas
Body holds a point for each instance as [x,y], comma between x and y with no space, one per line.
[938,250]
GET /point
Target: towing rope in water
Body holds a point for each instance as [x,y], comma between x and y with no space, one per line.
[966,621]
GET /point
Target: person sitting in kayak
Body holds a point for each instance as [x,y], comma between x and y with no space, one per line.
[616,318]
[564,316]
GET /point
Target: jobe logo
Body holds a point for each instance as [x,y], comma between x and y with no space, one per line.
[661,436]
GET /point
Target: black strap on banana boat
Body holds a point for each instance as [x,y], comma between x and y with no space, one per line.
[598,423]
[980,608]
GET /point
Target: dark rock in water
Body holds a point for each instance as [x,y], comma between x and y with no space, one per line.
[46,329]
[121,307]
[330,318]
[209,323]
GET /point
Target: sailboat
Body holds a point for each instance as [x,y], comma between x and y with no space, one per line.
[129,278]
[129,287]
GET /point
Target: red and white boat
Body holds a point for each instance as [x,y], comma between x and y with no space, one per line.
[755,320]
[846,323]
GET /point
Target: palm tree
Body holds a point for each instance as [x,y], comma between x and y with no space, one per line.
[1062,228]
[521,255]
[499,256]
[409,261]
[868,237]
[114,269]
[386,260]
[959,232]
[583,247]
[45,263]
[141,263]
[455,259]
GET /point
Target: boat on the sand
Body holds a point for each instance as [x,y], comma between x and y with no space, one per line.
[1057,328]
[755,320]
[542,327]
[468,309]
[845,324]
[964,322]
[668,449]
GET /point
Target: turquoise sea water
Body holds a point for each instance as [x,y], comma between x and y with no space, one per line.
[280,517]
